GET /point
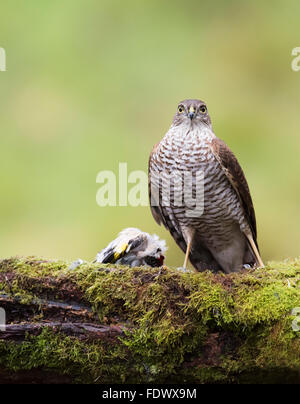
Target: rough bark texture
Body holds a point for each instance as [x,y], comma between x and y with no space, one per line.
[105,324]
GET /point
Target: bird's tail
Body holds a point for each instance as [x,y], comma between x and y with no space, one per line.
[200,257]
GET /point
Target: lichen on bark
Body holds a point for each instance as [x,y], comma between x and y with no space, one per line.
[172,326]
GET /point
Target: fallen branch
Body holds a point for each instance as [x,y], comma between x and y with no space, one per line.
[104,324]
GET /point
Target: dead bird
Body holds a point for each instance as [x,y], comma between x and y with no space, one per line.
[134,248]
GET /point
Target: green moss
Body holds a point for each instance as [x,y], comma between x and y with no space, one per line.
[87,363]
[170,318]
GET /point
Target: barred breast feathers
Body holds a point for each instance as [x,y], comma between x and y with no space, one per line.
[184,146]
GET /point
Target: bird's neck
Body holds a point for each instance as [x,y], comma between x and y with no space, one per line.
[190,132]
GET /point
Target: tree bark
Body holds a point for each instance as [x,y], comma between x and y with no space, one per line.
[106,324]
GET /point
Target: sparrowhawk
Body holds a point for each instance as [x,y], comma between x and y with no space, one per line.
[222,236]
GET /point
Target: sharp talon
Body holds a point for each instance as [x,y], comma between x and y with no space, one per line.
[184,270]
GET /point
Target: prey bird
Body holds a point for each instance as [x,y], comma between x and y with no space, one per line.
[222,236]
[134,248]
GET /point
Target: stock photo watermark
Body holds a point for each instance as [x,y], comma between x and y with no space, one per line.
[2,60]
[296,59]
[2,319]
[177,188]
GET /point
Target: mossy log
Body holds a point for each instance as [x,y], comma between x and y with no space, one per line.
[105,324]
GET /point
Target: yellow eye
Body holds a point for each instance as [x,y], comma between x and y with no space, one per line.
[180,109]
[203,109]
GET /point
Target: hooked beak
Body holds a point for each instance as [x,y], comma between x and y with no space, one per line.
[192,113]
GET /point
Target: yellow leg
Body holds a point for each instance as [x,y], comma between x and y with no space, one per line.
[255,250]
[187,253]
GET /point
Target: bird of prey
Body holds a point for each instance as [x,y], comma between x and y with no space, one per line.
[222,235]
[134,248]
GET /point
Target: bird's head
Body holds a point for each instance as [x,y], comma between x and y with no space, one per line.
[192,112]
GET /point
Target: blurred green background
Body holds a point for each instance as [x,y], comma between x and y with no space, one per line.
[90,84]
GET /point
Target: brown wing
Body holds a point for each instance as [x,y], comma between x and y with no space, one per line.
[237,179]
